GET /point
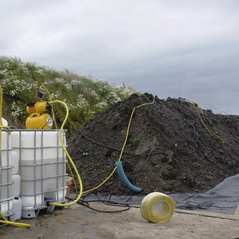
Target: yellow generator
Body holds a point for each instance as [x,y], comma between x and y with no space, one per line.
[39,118]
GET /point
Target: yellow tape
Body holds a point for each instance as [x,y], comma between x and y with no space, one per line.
[157,207]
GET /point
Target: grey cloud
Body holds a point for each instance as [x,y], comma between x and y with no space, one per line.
[186,48]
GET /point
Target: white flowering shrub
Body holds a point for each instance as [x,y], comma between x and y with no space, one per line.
[54,96]
[84,96]
[112,98]
[101,106]
[17,109]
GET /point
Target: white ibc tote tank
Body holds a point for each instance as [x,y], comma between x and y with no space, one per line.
[6,192]
[42,167]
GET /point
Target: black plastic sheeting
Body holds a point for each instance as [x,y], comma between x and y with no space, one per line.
[223,198]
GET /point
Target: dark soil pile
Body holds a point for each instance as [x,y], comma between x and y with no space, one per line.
[169,149]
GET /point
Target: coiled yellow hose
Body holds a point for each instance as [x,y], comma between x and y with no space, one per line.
[157,207]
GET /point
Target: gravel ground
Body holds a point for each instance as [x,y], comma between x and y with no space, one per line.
[84,223]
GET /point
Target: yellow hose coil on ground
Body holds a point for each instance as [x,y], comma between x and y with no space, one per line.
[157,207]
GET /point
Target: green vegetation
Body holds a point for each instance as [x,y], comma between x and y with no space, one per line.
[134,141]
[85,97]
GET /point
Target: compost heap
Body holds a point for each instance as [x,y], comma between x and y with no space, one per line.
[173,147]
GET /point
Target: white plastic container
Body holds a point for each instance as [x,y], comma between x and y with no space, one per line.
[42,167]
[15,162]
[6,192]
[16,209]
[4,122]
[16,185]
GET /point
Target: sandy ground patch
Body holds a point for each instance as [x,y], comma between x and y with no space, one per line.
[83,222]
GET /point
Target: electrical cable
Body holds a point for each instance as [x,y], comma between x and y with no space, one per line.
[52,109]
[98,143]
[108,202]
[201,115]
[123,147]
[195,134]
[108,146]
[132,154]
[147,159]
[203,120]
[85,202]
[111,203]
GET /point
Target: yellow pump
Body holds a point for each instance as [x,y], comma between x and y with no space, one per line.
[38,118]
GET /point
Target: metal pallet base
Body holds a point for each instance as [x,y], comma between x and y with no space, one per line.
[34,212]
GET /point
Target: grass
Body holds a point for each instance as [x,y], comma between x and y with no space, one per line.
[135,141]
[85,97]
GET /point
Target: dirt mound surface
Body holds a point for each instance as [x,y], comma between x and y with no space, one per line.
[173,147]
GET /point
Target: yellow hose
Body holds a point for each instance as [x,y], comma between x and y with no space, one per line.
[157,207]
[122,150]
[73,178]
[17,224]
[203,120]
[68,157]
[5,221]
[201,116]
[54,119]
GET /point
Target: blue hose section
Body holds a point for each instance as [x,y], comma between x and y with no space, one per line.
[124,179]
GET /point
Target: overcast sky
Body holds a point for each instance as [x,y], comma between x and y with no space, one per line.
[169,48]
